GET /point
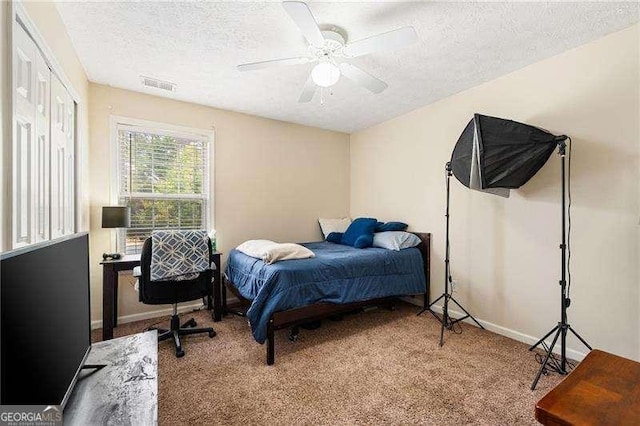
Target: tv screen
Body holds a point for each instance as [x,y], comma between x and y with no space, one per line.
[45,323]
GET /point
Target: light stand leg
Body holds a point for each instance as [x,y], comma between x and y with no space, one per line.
[445,316]
[428,308]
[544,338]
[467,314]
[446,321]
[563,326]
[546,359]
[584,342]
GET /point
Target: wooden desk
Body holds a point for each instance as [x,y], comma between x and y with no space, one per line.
[125,391]
[110,269]
[603,389]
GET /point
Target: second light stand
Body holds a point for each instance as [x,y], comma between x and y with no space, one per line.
[560,330]
[447,321]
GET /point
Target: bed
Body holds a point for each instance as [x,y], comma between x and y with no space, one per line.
[339,279]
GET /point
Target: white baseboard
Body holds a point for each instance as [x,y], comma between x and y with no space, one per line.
[498,329]
[148,315]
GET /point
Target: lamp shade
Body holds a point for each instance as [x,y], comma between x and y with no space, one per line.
[116,217]
[495,155]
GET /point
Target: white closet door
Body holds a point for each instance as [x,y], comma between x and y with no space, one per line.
[62,160]
[59,154]
[70,132]
[40,173]
[43,150]
[24,82]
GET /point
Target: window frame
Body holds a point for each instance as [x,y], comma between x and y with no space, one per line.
[120,122]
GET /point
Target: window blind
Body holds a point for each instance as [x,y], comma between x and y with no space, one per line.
[163,178]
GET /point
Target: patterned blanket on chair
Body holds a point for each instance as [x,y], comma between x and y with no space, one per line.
[178,255]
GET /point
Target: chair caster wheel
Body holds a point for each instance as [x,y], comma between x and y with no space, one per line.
[179,353]
[212,334]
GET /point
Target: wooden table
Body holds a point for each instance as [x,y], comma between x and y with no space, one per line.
[110,269]
[604,389]
[125,391]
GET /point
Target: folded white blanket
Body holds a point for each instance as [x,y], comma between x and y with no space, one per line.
[271,252]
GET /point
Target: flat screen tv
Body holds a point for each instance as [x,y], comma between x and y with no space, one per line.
[45,320]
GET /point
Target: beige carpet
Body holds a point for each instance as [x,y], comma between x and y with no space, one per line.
[377,367]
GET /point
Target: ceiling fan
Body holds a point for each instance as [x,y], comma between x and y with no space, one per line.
[330,50]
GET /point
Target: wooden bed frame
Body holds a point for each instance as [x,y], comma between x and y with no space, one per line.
[317,311]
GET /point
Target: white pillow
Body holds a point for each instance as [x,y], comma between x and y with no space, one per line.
[333,225]
[271,252]
[287,251]
[395,240]
[256,248]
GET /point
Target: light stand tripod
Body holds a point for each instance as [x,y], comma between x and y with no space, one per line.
[560,366]
[446,321]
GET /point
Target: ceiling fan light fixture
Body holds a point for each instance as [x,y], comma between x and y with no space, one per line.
[325,74]
[329,48]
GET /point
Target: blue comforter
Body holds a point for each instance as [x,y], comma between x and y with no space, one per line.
[338,274]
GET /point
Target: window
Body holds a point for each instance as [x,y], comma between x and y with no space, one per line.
[163,177]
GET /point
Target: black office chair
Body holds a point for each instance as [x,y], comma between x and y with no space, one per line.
[174,292]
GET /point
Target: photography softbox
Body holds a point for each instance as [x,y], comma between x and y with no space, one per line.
[495,155]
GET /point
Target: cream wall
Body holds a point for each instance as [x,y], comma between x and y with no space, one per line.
[504,252]
[270,179]
[45,17]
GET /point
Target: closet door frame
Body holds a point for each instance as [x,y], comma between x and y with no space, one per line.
[18,16]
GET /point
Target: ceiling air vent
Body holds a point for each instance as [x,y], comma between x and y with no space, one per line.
[158,84]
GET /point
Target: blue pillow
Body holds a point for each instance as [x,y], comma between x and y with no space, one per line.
[335,237]
[362,226]
[391,226]
[364,241]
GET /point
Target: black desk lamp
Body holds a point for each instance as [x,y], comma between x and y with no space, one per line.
[115,217]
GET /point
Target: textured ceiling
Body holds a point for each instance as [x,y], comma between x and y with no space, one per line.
[198,44]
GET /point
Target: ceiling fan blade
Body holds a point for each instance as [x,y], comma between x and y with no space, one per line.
[272,63]
[301,15]
[386,41]
[362,78]
[308,90]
